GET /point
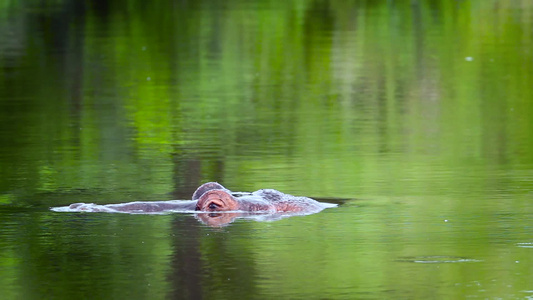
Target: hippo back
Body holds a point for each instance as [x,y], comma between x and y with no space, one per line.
[289,203]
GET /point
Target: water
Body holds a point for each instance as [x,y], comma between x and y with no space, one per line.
[415,116]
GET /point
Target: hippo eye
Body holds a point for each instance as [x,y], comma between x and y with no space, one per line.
[212,206]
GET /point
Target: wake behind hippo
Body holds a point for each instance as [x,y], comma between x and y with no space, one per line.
[213,197]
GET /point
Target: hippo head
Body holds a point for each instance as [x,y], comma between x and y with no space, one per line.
[217,200]
[207,187]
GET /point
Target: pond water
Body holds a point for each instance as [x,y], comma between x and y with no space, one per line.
[416,117]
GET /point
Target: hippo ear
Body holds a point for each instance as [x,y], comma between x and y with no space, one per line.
[206,187]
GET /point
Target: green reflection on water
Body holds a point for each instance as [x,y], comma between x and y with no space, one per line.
[419,109]
[297,96]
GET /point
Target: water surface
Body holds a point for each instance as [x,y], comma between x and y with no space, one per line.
[414,115]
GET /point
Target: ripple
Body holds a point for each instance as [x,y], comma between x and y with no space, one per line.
[525,245]
[436,259]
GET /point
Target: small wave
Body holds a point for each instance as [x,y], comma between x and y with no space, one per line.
[524,245]
[437,259]
[62,209]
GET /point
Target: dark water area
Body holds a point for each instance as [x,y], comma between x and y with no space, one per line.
[415,116]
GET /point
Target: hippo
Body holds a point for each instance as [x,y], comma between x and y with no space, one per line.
[213,197]
[221,205]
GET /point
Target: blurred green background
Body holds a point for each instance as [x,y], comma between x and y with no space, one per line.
[421,111]
[330,98]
